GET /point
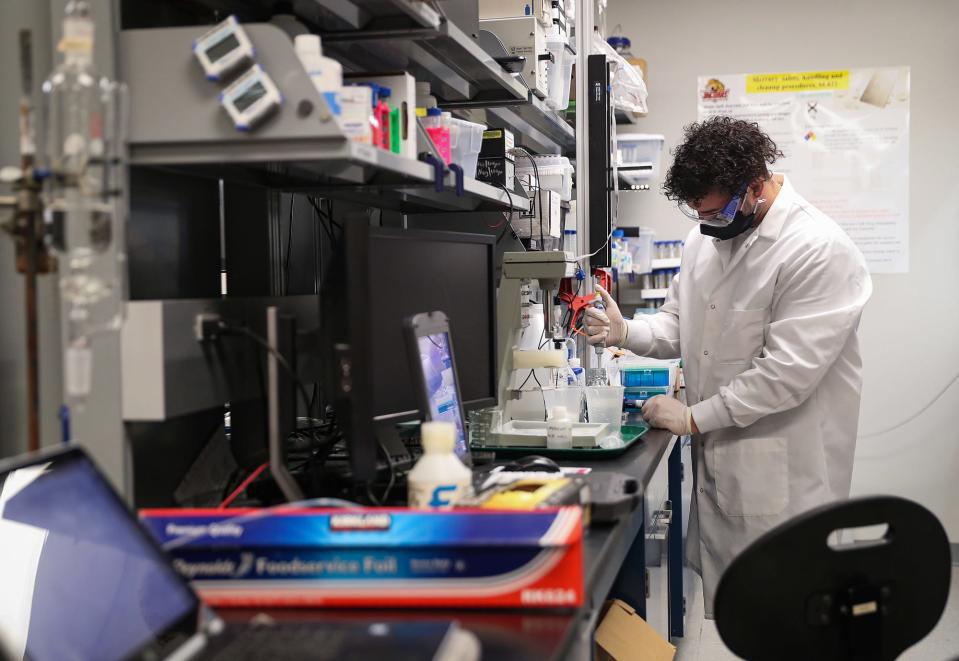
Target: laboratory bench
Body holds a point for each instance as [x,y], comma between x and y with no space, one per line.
[628,560]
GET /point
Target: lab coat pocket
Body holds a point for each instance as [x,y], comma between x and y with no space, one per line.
[751,475]
[742,337]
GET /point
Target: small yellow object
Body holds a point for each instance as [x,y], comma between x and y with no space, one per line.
[527,494]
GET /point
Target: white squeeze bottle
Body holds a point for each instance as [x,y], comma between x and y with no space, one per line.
[439,479]
[559,430]
[325,72]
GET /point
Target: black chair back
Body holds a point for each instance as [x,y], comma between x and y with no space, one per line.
[794,595]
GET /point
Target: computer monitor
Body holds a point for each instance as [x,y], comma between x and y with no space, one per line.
[419,271]
[379,278]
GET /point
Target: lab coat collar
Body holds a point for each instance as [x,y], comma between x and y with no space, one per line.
[775,218]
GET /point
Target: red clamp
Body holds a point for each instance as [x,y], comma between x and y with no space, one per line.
[578,303]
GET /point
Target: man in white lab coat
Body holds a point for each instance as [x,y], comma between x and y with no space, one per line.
[764,314]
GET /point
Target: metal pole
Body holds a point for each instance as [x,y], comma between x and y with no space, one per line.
[27,220]
[584,37]
[284,480]
[33,351]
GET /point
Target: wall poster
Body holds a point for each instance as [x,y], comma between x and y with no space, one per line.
[845,136]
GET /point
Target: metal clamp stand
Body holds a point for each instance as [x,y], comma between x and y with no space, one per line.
[27,230]
[276,440]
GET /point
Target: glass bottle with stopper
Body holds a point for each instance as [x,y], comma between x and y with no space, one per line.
[84,116]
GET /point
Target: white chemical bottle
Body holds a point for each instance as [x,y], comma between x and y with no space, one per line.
[559,430]
[439,479]
[325,72]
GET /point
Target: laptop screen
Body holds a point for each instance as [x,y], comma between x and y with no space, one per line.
[441,387]
[79,578]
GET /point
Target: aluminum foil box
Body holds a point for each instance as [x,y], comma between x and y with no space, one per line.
[377,557]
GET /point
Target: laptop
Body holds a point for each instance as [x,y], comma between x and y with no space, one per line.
[81,579]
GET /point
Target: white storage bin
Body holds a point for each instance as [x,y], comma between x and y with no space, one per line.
[466,140]
[555,173]
[559,74]
[640,149]
[641,248]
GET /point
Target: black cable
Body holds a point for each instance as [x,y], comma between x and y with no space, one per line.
[289,246]
[509,216]
[280,358]
[536,379]
[389,462]
[229,487]
[543,340]
[539,196]
[322,215]
[523,384]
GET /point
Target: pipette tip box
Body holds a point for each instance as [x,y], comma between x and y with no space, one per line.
[377,557]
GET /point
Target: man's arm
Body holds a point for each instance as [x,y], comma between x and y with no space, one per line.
[657,335]
[818,308]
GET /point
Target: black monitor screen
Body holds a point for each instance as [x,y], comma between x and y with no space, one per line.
[420,271]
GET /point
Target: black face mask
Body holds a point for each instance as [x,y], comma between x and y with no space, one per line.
[739,224]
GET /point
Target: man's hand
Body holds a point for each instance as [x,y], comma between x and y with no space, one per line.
[606,326]
[669,413]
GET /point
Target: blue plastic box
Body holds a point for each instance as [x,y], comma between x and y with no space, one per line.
[636,377]
[641,394]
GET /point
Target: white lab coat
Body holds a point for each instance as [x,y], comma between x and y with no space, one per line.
[767,333]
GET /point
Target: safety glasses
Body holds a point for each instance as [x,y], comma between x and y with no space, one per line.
[719,218]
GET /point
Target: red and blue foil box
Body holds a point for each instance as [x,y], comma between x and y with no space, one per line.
[377,557]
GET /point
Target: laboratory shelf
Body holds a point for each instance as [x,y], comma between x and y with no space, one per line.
[536,126]
[428,47]
[667,263]
[624,117]
[176,122]
[653,294]
[461,74]
[348,171]
[635,176]
[352,15]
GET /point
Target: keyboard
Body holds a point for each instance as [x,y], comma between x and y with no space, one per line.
[346,641]
[283,641]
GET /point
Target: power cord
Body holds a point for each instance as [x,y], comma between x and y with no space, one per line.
[389,486]
[539,196]
[209,327]
[915,415]
[289,247]
[324,216]
[509,216]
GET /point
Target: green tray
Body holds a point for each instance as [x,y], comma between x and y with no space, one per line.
[631,434]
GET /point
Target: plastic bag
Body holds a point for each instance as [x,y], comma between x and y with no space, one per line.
[627,87]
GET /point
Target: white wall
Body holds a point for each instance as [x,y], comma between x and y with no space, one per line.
[910,330]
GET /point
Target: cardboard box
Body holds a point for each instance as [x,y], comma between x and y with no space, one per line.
[625,636]
[377,557]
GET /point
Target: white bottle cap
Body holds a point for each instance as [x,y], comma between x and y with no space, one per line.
[559,413]
[307,45]
[437,437]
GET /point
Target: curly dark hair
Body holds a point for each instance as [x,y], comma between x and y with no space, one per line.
[719,153]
